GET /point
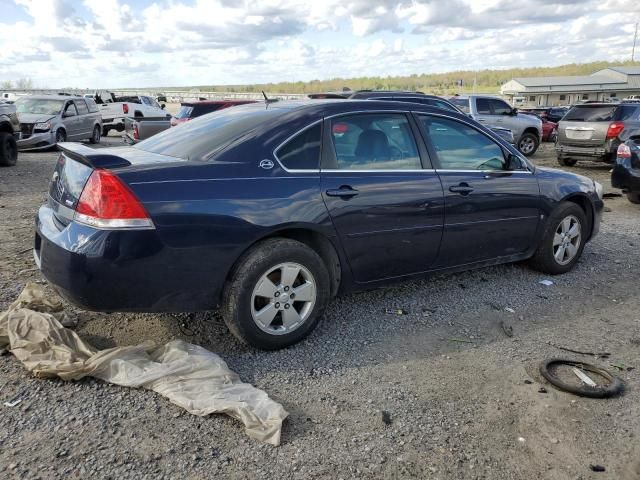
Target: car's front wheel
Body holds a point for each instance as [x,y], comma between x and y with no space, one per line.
[528,144]
[276,295]
[95,137]
[563,240]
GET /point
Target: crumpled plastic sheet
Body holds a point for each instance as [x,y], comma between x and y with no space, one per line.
[188,375]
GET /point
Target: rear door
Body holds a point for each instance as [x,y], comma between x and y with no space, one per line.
[491,211]
[386,208]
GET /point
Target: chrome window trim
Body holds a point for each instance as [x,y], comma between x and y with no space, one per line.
[337,170]
[291,137]
[453,170]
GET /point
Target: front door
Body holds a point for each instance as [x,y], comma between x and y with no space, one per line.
[492,205]
[386,208]
[70,121]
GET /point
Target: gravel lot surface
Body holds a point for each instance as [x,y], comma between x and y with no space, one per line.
[437,393]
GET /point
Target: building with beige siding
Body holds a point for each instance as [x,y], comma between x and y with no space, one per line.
[610,84]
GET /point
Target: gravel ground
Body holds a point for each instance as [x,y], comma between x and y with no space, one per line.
[436,393]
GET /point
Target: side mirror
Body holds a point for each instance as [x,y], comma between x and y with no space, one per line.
[162,106]
[514,111]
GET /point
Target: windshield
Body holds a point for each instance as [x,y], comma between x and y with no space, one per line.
[588,113]
[184,112]
[461,103]
[200,138]
[39,105]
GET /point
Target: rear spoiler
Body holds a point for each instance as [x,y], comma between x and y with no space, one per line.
[92,157]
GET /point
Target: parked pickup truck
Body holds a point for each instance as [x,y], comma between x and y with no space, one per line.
[495,112]
[139,129]
[9,133]
[114,109]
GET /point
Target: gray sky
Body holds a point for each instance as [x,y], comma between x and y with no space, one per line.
[113,43]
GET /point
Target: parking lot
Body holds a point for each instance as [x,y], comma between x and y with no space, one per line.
[418,380]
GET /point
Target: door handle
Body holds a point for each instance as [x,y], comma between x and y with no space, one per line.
[462,189]
[345,191]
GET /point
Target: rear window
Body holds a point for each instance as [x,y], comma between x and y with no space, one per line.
[589,113]
[461,103]
[184,112]
[204,136]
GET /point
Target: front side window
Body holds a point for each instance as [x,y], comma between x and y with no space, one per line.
[461,147]
[81,106]
[302,152]
[500,107]
[461,103]
[70,109]
[381,141]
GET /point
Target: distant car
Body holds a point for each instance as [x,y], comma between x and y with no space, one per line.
[190,110]
[549,129]
[553,114]
[9,134]
[593,131]
[115,110]
[46,120]
[626,171]
[269,211]
[492,111]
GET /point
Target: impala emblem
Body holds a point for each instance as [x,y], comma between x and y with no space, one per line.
[266,164]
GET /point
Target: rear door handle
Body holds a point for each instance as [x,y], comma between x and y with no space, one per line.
[345,191]
[462,189]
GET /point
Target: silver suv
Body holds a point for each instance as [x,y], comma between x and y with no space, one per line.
[593,131]
[46,120]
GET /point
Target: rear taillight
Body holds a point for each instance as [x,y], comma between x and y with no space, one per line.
[624,151]
[136,134]
[615,129]
[125,108]
[107,203]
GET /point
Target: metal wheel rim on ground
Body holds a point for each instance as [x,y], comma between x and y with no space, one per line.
[566,240]
[527,145]
[283,298]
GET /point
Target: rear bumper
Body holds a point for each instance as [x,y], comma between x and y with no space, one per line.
[602,152]
[37,141]
[625,177]
[114,123]
[105,270]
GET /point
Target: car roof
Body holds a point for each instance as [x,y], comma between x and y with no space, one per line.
[216,102]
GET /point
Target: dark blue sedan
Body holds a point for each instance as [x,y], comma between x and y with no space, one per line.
[268,211]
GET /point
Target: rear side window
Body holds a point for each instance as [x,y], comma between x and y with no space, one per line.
[461,103]
[302,152]
[374,142]
[81,106]
[588,113]
[483,105]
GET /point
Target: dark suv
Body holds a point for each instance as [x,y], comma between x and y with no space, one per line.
[593,131]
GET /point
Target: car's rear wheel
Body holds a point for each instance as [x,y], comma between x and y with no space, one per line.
[566,162]
[95,137]
[276,295]
[563,240]
[633,197]
[528,144]
[8,150]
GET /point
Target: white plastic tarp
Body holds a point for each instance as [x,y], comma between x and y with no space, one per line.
[188,375]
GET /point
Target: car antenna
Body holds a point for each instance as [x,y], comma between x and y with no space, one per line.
[267,99]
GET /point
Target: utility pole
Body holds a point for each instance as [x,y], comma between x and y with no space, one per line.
[635,37]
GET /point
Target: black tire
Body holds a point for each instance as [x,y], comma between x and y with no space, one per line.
[528,144]
[237,296]
[544,259]
[61,135]
[95,137]
[566,162]
[105,131]
[633,197]
[615,384]
[8,150]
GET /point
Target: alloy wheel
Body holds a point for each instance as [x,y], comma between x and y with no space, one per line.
[527,145]
[566,240]
[283,298]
